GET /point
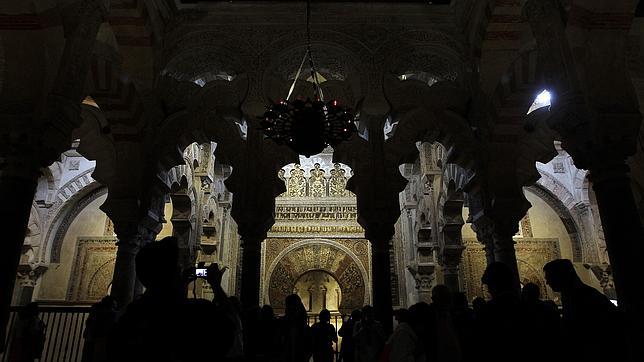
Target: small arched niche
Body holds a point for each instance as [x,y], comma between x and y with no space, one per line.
[319,290]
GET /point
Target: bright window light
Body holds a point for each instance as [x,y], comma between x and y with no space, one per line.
[542,100]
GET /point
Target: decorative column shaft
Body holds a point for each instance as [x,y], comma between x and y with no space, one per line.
[505,253]
[124,279]
[132,232]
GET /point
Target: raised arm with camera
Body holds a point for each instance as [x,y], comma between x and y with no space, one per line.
[228,307]
[213,276]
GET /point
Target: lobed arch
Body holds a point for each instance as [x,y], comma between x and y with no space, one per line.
[341,270]
[568,217]
[69,210]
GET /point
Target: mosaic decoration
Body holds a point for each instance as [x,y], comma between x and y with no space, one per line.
[327,257]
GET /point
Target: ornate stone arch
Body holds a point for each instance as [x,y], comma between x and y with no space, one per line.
[53,241]
[342,263]
[567,216]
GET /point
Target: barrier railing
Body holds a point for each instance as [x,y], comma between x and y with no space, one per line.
[63,333]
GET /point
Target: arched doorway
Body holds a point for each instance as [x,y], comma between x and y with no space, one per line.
[319,290]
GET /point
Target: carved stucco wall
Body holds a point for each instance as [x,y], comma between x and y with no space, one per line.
[532,255]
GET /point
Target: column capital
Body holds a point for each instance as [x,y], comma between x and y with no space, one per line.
[379,234]
[27,275]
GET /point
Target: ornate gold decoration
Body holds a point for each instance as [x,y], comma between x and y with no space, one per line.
[297,182]
[319,212]
[93,268]
[338,182]
[109,228]
[314,256]
[317,187]
[346,229]
[526,227]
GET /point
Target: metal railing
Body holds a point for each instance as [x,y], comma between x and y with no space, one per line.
[63,334]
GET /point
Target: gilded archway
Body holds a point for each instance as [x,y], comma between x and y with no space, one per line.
[329,256]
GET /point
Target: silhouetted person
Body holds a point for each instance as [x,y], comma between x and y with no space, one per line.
[98,328]
[163,325]
[268,338]
[323,334]
[463,317]
[252,333]
[403,343]
[369,337]
[586,311]
[500,325]
[233,311]
[544,322]
[347,349]
[478,304]
[295,331]
[28,335]
[444,336]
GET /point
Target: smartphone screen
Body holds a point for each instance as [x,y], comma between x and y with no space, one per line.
[201,272]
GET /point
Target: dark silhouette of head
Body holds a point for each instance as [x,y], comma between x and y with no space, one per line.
[294,308]
[441,296]
[356,315]
[419,317]
[561,275]
[109,302]
[499,279]
[368,314]
[478,303]
[267,313]
[30,310]
[530,292]
[459,301]
[325,316]
[158,269]
[402,315]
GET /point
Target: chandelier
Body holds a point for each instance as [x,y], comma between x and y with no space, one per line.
[308,125]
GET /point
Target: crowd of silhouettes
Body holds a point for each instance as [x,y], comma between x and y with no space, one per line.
[514,324]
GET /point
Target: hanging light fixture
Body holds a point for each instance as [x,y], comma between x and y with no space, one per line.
[308,125]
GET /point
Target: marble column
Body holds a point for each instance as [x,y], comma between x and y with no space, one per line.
[505,252]
[250,270]
[124,279]
[16,196]
[381,282]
